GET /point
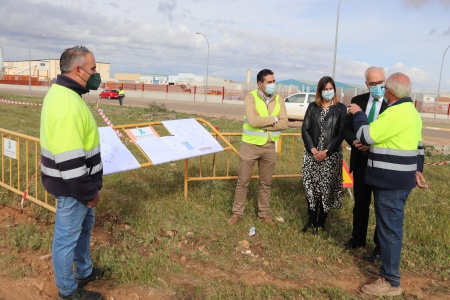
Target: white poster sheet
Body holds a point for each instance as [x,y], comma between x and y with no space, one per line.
[115,155]
[190,139]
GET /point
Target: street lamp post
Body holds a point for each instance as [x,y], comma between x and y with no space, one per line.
[29,58]
[207,65]
[439,85]
[336,40]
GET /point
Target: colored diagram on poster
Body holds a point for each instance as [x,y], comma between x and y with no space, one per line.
[142,133]
[190,139]
[115,156]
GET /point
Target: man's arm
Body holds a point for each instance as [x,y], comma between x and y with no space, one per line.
[253,118]
[349,134]
[283,121]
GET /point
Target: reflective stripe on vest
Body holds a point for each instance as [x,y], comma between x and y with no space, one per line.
[258,136]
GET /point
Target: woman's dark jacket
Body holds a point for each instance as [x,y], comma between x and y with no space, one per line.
[333,127]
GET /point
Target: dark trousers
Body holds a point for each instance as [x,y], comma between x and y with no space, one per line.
[363,195]
[120,100]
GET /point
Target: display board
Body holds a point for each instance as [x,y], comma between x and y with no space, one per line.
[189,139]
[115,156]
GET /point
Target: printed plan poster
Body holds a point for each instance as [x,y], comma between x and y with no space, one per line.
[115,156]
[190,139]
[142,133]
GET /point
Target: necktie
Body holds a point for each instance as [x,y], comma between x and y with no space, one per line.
[372,111]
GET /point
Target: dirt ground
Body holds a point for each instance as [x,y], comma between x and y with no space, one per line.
[39,282]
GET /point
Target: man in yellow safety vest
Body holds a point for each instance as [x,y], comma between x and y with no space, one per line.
[265,115]
[121,95]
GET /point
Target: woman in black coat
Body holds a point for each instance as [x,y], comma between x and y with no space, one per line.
[322,133]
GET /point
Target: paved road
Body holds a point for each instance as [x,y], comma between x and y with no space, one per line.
[235,111]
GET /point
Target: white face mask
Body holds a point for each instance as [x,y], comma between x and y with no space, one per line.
[270,89]
[328,95]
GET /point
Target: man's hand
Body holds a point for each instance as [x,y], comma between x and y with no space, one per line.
[94,201]
[420,180]
[360,146]
[353,108]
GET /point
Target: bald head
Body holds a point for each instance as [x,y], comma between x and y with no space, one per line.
[400,85]
[374,72]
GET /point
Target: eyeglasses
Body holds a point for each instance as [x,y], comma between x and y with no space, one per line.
[374,84]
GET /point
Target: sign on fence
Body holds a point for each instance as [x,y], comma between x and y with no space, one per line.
[10,148]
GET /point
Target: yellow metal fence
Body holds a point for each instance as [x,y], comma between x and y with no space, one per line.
[20,166]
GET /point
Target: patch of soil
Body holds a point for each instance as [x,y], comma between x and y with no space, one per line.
[39,282]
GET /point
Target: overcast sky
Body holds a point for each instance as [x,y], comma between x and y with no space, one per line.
[294,38]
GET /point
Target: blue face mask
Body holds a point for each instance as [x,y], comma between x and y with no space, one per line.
[377,91]
[270,89]
[328,95]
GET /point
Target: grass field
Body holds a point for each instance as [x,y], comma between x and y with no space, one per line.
[149,235]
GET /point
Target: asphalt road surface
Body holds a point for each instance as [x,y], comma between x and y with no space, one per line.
[236,111]
[441,133]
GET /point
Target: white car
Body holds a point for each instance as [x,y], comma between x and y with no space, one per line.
[296,104]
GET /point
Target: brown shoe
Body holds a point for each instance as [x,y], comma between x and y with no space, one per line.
[234,219]
[267,220]
[373,271]
[381,287]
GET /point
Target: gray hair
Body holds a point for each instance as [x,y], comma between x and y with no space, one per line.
[374,68]
[399,84]
[72,57]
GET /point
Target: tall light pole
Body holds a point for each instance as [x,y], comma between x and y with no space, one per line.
[207,65]
[336,40]
[29,58]
[439,85]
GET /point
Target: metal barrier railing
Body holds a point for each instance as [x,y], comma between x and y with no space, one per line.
[19,166]
[287,165]
[20,159]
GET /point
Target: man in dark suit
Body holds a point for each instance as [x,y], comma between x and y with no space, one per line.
[372,104]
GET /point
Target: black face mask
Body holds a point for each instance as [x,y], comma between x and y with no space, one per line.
[93,81]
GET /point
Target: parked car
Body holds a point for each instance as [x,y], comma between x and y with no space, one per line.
[296,104]
[110,94]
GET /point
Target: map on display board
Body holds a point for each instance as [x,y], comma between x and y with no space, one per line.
[115,156]
[190,139]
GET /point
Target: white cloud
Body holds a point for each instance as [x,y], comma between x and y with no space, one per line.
[294,39]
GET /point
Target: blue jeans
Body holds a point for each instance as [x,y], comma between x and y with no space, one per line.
[389,205]
[71,241]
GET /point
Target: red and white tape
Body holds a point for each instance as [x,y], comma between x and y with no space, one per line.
[437,163]
[109,123]
[20,103]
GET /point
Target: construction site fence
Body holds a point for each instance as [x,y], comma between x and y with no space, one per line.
[20,172]
[234,92]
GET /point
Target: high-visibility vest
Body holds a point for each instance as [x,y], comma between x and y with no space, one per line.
[396,146]
[121,93]
[257,136]
[70,146]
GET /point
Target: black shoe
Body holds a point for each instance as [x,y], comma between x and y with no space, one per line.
[97,273]
[352,244]
[374,257]
[308,226]
[80,294]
